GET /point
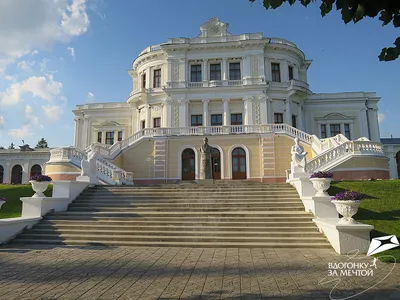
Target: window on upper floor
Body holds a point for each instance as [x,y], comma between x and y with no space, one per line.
[142,124]
[196,120]
[157,78]
[290,73]
[216,120]
[234,71]
[323,131]
[195,73]
[330,130]
[215,71]
[236,119]
[119,136]
[156,122]
[294,121]
[144,80]
[276,72]
[278,118]
[335,129]
[99,137]
[110,137]
[347,131]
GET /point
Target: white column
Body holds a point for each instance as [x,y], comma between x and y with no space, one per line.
[77,131]
[342,128]
[7,173]
[392,162]
[182,71]
[205,112]
[183,112]
[205,70]
[247,111]
[328,130]
[270,117]
[363,123]
[148,116]
[137,120]
[246,67]
[25,173]
[288,112]
[374,124]
[85,133]
[261,64]
[351,131]
[115,136]
[224,69]
[296,72]
[169,76]
[284,71]
[300,118]
[263,109]
[225,117]
[167,113]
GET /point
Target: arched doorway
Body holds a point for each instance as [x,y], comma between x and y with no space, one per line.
[398,164]
[16,175]
[36,170]
[188,164]
[1,174]
[238,163]
[216,164]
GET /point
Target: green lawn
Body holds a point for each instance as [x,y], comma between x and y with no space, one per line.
[381,209]
[13,206]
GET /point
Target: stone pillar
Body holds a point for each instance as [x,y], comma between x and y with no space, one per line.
[285,71]
[263,109]
[247,111]
[137,119]
[7,173]
[224,69]
[328,130]
[205,70]
[76,132]
[270,118]
[182,71]
[225,116]
[205,112]
[300,124]
[148,116]
[374,124]
[363,123]
[183,112]
[288,112]
[169,76]
[25,173]
[342,128]
[246,70]
[392,162]
[167,113]
[85,133]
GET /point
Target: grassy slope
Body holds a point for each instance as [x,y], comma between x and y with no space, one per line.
[381,209]
[12,208]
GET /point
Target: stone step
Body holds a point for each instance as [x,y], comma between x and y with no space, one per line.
[194,238]
[183,232]
[64,225]
[156,205]
[185,199]
[138,209]
[191,244]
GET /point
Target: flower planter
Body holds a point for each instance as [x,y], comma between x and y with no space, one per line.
[347,208]
[39,187]
[321,185]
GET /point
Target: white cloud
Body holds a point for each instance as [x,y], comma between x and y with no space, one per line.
[26,25]
[1,120]
[43,87]
[381,118]
[34,52]
[26,66]
[28,110]
[52,112]
[71,51]
[22,132]
[9,78]
[90,98]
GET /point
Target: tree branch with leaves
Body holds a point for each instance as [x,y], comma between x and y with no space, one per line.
[356,10]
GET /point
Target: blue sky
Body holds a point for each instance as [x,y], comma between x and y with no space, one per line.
[57,54]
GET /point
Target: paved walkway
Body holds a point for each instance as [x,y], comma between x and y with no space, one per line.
[183,273]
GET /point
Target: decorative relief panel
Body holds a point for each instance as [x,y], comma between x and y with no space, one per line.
[175,114]
[156,111]
[175,70]
[254,66]
[256,112]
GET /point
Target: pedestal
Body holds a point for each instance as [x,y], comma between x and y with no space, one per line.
[88,179]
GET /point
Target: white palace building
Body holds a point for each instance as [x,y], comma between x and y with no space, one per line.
[247,93]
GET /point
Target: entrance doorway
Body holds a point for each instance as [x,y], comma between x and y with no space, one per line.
[216,164]
[188,164]
[16,175]
[238,164]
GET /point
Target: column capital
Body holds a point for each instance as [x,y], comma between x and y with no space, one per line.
[263,97]
[226,100]
[247,98]
[205,101]
[167,102]
[183,101]
[205,60]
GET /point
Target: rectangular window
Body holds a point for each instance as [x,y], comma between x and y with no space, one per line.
[144,80]
[110,137]
[347,131]
[157,78]
[276,72]
[142,124]
[278,118]
[196,120]
[234,71]
[294,119]
[215,71]
[195,73]
[335,129]
[290,73]
[236,119]
[216,120]
[156,122]
[323,131]
[119,136]
[99,136]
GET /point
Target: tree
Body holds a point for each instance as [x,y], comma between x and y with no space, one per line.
[356,10]
[42,144]
[12,146]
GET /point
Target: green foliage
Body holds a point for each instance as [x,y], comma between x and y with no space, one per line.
[12,146]
[356,10]
[381,208]
[42,144]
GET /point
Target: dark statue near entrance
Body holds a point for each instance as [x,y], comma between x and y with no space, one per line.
[206,166]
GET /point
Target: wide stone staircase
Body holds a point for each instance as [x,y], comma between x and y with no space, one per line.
[233,214]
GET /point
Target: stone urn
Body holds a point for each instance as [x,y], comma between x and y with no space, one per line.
[321,185]
[39,187]
[347,208]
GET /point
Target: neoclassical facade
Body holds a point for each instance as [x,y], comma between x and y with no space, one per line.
[248,93]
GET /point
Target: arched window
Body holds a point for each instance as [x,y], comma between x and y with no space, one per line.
[36,170]
[16,175]
[1,174]
[238,163]
[188,164]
